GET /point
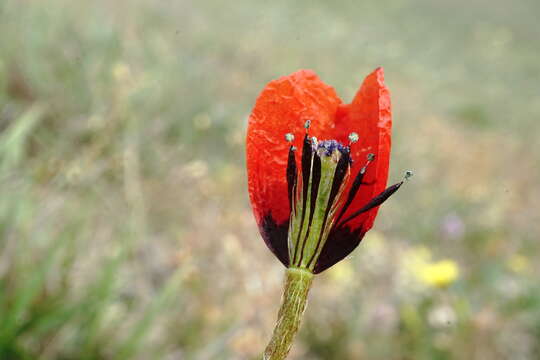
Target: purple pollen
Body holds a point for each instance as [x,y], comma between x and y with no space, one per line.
[327,147]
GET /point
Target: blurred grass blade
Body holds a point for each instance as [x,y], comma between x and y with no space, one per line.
[14,138]
[99,297]
[28,289]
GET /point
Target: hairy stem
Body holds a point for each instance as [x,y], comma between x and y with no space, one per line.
[293,304]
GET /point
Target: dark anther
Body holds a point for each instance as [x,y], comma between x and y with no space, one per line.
[376,201]
[339,175]
[291,176]
[355,187]
[352,193]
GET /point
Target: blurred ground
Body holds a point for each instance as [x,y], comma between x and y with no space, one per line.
[125,228]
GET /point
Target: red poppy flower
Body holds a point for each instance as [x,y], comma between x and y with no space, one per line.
[314,205]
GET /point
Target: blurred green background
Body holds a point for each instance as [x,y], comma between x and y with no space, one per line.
[125,226]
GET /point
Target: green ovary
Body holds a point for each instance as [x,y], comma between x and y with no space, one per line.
[304,251]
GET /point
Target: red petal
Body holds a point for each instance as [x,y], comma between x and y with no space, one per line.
[370,116]
[283,107]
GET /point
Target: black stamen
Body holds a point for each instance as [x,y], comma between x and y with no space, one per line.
[315,181]
[339,175]
[376,201]
[307,155]
[291,176]
[352,193]
[355,187]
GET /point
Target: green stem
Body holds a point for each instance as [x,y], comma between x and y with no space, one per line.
[293,304]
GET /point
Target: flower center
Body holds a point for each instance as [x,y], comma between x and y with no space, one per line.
[315,197]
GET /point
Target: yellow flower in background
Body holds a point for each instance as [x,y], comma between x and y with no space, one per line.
[121,72]
[418,262]
[518,264]
[439,274]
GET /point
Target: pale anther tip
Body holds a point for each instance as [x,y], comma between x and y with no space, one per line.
[353,137]
[408,174]
[289,137]
[307,124]
[371,156]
